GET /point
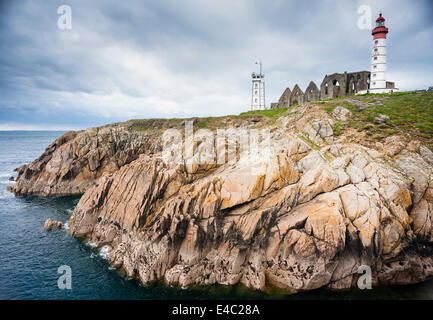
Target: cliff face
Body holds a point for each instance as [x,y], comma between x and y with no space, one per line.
[320,208]
[74,161]
[307,216]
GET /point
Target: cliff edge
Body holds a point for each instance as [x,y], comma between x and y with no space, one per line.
[75,160]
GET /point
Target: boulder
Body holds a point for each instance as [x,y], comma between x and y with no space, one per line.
[52,224]
[341,113]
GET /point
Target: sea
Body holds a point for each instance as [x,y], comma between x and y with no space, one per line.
[30,257]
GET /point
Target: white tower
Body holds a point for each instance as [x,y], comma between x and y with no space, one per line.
[378,83]
[258,90]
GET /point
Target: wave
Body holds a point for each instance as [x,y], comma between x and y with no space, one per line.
[5,194]
[103,253]
[91,244]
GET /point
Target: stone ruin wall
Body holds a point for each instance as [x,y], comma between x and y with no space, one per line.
[332,86]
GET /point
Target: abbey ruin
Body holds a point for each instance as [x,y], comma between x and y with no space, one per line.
[332,86]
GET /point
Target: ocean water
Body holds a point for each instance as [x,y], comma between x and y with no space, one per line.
[31,256]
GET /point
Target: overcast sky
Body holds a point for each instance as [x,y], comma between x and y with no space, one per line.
[140,59]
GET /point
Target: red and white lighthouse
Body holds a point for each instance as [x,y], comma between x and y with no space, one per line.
[378,83]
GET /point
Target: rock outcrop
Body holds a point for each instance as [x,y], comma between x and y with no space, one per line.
[52,224]
[303,215]
[74,161]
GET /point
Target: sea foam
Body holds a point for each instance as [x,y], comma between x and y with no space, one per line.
[103,253]
[92,244]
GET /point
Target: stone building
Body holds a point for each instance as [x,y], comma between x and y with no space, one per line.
[332,86]
[284,101]
[358,81]
[312,93]
[342,84]
[297,96]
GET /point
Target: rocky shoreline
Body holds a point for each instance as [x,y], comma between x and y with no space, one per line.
[321,207]
[74,161]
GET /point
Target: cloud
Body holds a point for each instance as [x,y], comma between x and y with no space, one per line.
[165,58]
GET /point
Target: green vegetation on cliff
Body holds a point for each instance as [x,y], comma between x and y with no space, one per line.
[381,115]
[409,114]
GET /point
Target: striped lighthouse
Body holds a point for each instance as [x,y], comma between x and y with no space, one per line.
[378,83]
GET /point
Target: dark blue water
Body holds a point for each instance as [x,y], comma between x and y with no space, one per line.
[30,256]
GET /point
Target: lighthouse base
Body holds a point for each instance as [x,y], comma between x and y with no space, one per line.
[378,90]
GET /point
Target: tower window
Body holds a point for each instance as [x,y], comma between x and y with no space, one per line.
[255,100]
[255,85]
[374,83]
[375,49]
[374,66]
[374,74]
[376,42]
[375,58]
[256,92]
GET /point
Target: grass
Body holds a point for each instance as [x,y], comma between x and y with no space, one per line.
[204,122]
[338,128]
[327,156]
[270,113]
[309,142]
[406,113]
[139,128]
[329,109]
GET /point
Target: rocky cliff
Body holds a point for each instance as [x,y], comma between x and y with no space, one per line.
[74,161]
[305,215]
